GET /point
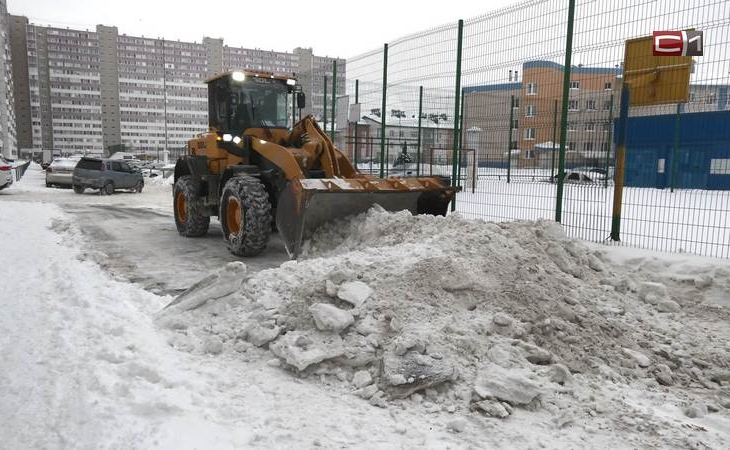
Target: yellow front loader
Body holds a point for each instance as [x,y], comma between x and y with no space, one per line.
[257,171]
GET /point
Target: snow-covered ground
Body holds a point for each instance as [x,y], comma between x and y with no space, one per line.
[574,345]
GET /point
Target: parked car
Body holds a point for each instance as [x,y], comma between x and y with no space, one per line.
[6,173]
[596,173]
[105,175]
[572,176]
[60,172]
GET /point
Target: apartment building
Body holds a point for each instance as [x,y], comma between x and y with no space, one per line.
[8,138]
[534,106]
[96,91]
[488,110]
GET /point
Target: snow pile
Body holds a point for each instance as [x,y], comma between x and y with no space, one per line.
[457,314]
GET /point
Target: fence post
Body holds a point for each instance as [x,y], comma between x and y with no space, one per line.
[420,113]
[382,110]
[509,141]
[564,113]
[334,98]
[455,152]
[609,140]
[618,188]
[555,136]
[324,102]
[357,92]
[461,135]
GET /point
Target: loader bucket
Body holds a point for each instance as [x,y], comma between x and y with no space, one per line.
[307,204]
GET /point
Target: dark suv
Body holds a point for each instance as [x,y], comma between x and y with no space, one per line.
[107,175]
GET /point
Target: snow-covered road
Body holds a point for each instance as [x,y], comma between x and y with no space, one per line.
[85,364]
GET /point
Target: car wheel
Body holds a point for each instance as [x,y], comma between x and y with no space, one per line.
[79,189]
[245,216]
[188,207]
[108,189]
[138,187]
[48,184]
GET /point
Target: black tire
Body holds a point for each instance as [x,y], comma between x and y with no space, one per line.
[138,187]
[245,216]
[188,207]
[107,189]
[48,184]
[79,189]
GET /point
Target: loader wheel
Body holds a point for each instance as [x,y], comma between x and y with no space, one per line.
[245,215]
[188,206]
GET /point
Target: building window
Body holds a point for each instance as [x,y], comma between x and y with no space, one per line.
[720,166]
[588,146]
[530,154]
[606,127]
[571,126]
[590,126]
[575,84]
[530,133]
[711,98]
[571,146]
[531,88]
[590,105]
[572,105]
[513,144]
[515,124]
[531,110]
[606,105]
[607,86]
[516,104]
[660,165]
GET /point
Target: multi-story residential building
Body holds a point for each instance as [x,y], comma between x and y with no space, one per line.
[8,139]
[534,106]
[100,91]
[312,71]
[593,104]
[487,113]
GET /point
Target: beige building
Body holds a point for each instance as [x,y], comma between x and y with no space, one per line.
[93,91]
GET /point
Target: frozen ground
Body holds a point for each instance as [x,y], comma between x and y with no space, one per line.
[391,332]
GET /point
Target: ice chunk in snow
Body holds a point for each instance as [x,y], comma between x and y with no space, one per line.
[330,318]
[509,385]
[354,293]
[301,350]
[219,284]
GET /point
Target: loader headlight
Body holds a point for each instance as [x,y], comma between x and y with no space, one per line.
[238,76]
[291,82]
[236,140]
[227,138]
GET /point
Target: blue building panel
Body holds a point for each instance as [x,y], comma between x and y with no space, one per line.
[700,161]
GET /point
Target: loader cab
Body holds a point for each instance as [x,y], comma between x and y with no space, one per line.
[242,100]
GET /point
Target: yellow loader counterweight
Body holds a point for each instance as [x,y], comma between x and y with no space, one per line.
[256,169]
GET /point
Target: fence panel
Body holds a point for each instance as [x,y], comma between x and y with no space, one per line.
[519,102]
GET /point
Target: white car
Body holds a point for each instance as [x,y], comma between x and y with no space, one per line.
[60,172]
[6,173]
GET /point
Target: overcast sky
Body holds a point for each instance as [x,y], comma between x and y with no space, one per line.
[332,28]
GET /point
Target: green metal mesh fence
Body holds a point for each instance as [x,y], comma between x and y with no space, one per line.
[536,90]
